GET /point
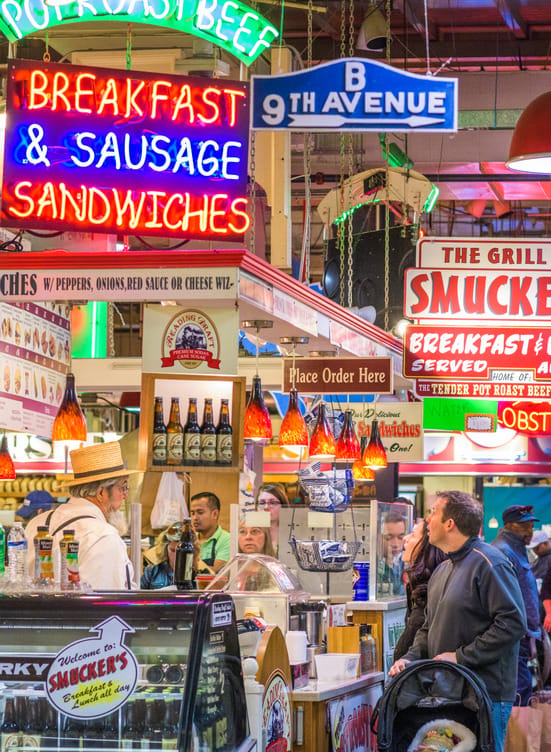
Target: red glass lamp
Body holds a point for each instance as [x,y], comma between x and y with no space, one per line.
[374,455]
[7,468]
[69,423]
[359,470]
[257,422]
[322,442]
[293,433]
[348,444]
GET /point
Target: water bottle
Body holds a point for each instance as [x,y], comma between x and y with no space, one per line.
[17,555]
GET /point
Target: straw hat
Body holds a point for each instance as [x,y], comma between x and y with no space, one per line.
[97,462]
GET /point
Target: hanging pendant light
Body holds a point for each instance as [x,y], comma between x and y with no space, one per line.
[69,423]
[293,433]
[348,444]
[7,468]
[530,149]
[374,455]
[257,422]
[322,441]
[359,470]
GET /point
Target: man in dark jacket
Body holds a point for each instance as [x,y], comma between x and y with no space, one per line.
[475,613]
[512,539]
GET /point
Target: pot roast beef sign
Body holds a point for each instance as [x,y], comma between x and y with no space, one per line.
[93,677]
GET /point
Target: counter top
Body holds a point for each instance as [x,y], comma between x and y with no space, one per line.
[392,604]
[316,691]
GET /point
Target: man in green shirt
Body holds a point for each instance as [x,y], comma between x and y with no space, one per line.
[215,542]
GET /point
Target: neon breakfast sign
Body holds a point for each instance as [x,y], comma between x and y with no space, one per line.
[227,23]
[125,152]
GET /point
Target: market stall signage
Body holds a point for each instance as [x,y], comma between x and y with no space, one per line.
[93,677]
[497,354]
[229,24]
[119,284]
[490,253]
[531,418]
[338,375]
[460,414]
[125,152]
[354,94]
[350,719]
[465,295]
[488,390]
[276,713]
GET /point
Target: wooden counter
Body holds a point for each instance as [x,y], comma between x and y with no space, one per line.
[387,618]
[316,704]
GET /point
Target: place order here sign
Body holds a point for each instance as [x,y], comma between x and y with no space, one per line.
[496,283]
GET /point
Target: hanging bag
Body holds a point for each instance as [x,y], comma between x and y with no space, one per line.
[170,502]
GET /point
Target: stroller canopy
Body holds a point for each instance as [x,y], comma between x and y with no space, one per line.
[431,690]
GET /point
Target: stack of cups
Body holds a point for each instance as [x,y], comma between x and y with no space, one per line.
[297,646]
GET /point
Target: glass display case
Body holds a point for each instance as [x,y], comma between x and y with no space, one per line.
[155,670]
[390,522]
[261,585]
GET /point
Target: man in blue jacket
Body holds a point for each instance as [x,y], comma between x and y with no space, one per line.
[512,539]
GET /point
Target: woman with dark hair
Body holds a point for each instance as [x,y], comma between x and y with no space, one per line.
[421,559]
[270,498]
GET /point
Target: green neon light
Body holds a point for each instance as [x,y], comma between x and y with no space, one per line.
[229,24]
[89,330]
[431,199]
[344,216]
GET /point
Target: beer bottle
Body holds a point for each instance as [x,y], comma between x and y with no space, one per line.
[170,724]
[49,731]
[152,737]
[159,448]
[208,436]
[224,436]
[131,734]
[184,576]
[10,728]
[175,435]
[192,435]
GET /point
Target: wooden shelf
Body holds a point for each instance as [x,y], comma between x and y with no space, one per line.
[192,468]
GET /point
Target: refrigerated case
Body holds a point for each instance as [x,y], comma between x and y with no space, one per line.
[116,671]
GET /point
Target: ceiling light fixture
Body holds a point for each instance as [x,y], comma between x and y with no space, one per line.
[322,442]
[7,468]
[374,455]
[348,444]
[257,422]
[372,34]
[530,149]
[69,423]
[293,433]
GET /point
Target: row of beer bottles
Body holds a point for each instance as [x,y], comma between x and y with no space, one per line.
[192,444]
[32,722]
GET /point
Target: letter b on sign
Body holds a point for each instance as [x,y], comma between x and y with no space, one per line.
[354,77]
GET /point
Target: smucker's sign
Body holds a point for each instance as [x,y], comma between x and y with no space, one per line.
[93,677]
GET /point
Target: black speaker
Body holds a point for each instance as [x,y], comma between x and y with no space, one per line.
[368,270]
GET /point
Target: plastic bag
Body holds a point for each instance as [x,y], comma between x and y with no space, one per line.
[170,503]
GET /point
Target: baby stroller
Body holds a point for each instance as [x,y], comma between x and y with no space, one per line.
[425,693]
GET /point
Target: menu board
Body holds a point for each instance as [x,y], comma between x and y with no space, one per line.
[35,352]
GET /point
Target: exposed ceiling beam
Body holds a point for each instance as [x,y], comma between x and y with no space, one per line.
[511,13]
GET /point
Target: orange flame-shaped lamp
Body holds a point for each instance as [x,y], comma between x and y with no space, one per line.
[322,441]
[374,455]
[7,468]
[258,424]
[69,423]
[293,433]
[348,444]
[359,470]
